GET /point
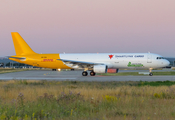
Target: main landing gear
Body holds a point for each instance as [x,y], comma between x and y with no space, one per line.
[150,72]
[85,73]
[92,73]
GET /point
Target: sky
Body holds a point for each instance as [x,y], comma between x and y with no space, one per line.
[89,26]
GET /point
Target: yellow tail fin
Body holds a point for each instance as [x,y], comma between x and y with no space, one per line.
[21,47]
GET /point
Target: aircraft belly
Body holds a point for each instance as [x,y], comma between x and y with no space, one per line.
[54,65]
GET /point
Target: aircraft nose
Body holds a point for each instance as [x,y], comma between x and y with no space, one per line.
[167,63]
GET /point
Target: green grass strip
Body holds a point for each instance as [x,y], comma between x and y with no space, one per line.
[11,70]
[136,74]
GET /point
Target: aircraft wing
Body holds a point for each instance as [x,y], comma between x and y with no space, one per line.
[80,63]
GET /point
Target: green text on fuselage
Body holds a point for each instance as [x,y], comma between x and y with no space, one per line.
[134,64]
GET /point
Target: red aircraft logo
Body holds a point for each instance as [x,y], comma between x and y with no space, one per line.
[111,56]
[47,60]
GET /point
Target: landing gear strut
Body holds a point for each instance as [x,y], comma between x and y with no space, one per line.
[84,73]
[92,73]
[150,72]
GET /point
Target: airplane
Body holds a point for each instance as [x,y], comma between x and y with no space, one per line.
[93,62]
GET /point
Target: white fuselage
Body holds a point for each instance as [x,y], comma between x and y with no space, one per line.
[119,60]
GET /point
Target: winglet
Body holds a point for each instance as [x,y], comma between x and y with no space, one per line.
[21,47]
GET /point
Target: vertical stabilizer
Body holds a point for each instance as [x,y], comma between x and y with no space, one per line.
[21,47]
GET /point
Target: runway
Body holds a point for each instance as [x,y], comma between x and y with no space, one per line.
[76,76]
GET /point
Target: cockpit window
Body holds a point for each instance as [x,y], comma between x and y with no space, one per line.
[160,57]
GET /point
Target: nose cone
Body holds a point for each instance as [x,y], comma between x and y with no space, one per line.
[166,63]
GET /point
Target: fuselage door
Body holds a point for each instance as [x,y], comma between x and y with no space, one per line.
[149,58]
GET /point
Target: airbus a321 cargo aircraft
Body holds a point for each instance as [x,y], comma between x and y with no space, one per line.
[94,62]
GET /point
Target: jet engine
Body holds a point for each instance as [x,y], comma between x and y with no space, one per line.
[100,68]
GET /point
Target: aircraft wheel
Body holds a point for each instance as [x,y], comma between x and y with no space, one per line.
[92,73]
[84,73]
[150,74]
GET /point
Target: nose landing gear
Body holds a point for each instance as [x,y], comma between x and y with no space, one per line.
[150,72]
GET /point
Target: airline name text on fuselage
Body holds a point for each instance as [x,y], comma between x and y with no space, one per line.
[131,56]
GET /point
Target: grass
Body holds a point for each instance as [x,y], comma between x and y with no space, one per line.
[86,100]
[9,70]
[136,74]
[157,83]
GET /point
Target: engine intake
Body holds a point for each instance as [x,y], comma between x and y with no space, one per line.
[100,69]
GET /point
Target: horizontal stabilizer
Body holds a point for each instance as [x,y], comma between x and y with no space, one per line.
[19,58]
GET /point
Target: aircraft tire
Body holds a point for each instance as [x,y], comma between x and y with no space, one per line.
[84,73]
[150,74]
[92,73]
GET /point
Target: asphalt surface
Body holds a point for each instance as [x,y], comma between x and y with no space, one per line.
[76,76]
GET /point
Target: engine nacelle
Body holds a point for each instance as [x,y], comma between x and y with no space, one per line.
[100,68]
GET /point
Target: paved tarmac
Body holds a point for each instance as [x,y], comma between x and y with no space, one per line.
[76,76]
